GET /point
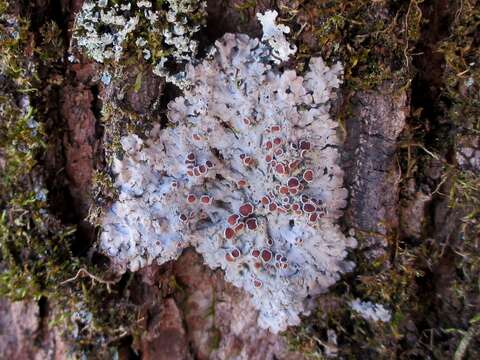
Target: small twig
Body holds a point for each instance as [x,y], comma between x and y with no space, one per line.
[423,148]
[406,49]
[466,340]
[84,272]
[461,73]
[437,189]
[122,335]
[458,13]
[297,34]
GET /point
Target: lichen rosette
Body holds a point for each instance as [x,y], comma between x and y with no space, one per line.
[247,173]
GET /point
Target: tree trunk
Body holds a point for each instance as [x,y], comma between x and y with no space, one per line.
[411,169]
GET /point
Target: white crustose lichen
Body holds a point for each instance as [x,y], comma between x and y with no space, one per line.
[246,172]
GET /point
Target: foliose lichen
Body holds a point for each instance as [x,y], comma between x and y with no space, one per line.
[247,173]
[371,311]
[106,29]
[274,35]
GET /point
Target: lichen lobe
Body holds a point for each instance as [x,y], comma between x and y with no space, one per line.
[247,173]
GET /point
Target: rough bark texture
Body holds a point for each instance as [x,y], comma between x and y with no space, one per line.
[208,318]
[79,143]
[373,176]
[187,310]
[24,335]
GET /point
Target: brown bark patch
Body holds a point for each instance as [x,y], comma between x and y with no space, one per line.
[372,171]
[79,143]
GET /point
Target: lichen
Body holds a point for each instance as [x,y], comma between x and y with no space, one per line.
[36,255]
[371,311]
[274,35]
[108,31]
[31,259]
[247,172]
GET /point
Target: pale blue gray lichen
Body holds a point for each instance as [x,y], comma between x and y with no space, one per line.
[371,311]
[247,173]
[104,29]
[274,35]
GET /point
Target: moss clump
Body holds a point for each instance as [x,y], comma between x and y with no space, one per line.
[464,197]
[17,45]
[396,287]
[431,283]
[52,46]
[32,240]
[377,40]
[374,40]
[36,255]
[461,77]
[104,193]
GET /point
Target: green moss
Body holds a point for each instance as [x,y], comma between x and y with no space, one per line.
[375,41]
[34,244]
[465,197]
[104,193]
[395,286]
[36,255]
[462,72]
[52,46]
[16,43]
[461,77]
